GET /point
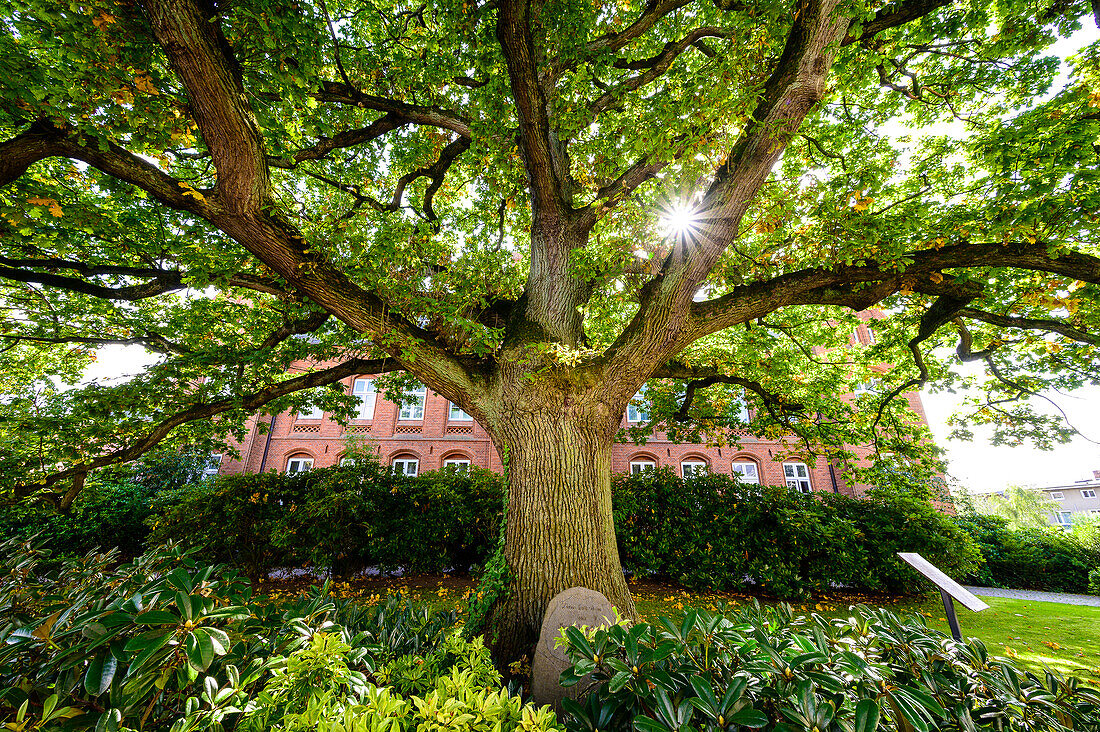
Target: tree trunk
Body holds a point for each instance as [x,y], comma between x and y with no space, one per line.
[560,531]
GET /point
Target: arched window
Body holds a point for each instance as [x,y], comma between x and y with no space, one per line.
[692,467]
[747,472]
[299,464]
[406,465]
[456,462]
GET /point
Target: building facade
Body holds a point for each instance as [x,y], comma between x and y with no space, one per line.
[430,433]
[1074,500]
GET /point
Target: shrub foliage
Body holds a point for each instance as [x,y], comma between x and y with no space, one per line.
[1048,559]
[712,532]
[163,643]
[708,532]
[756,668]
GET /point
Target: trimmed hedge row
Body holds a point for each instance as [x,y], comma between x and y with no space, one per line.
[341,519]
[711,532]
[707,533]
[1047,559]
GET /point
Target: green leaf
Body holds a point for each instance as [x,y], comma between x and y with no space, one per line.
[100,672]
[150,640]
[867,715]
[643,723]
[199,650]
[749,717]
[157,617]
[578,641]
[618,681]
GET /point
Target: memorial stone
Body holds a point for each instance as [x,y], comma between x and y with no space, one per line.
[577,606]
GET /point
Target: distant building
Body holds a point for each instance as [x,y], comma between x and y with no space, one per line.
[430,433]
[1074,499]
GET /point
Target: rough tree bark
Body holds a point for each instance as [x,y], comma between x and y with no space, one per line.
[560,532]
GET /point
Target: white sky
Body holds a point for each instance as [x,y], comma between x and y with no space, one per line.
[980,467]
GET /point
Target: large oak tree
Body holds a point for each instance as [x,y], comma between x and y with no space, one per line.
[477,193]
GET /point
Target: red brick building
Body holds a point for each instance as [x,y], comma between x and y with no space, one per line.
[431,433]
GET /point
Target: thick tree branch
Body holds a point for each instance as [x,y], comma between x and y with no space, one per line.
[942,311]
[338,93]
[167,282]
[248,402]
[198,52]
[548,177]
[654,68]
[893,15]
[612,42]
[152,341]
[1011,321]
[697,378]
[191,37]
[348,138]
[860,286]
[298,326]
[794,87]
[44,140]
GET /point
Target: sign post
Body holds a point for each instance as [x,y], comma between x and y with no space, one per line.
[950,590]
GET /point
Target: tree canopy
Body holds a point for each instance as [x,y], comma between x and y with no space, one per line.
[459,189]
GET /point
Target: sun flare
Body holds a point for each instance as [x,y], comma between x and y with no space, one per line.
[681,220]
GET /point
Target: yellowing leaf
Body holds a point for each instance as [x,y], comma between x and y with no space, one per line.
[189,191]
[42,632]
[103,19]
[936,277]
[145,84]
[51,204]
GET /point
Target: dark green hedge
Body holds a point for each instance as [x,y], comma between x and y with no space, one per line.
[710,532]
[1047,559]
[342,519]
[707,533]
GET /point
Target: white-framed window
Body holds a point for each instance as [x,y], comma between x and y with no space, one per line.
[458,415]
[640,466]
[365,391]
[1063,518]
[870,336]
[798,477]
[456,464]
[406,466]
[299,464]
[347,462]
[311,413]
[636,410]
[746,471]
[692,468]
[414,404]
[1055,495]
[1088,493]
[213,464]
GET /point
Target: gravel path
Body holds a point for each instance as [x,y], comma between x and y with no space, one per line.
[1065,599]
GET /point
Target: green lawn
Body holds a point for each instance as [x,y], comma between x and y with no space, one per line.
[1065,638]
